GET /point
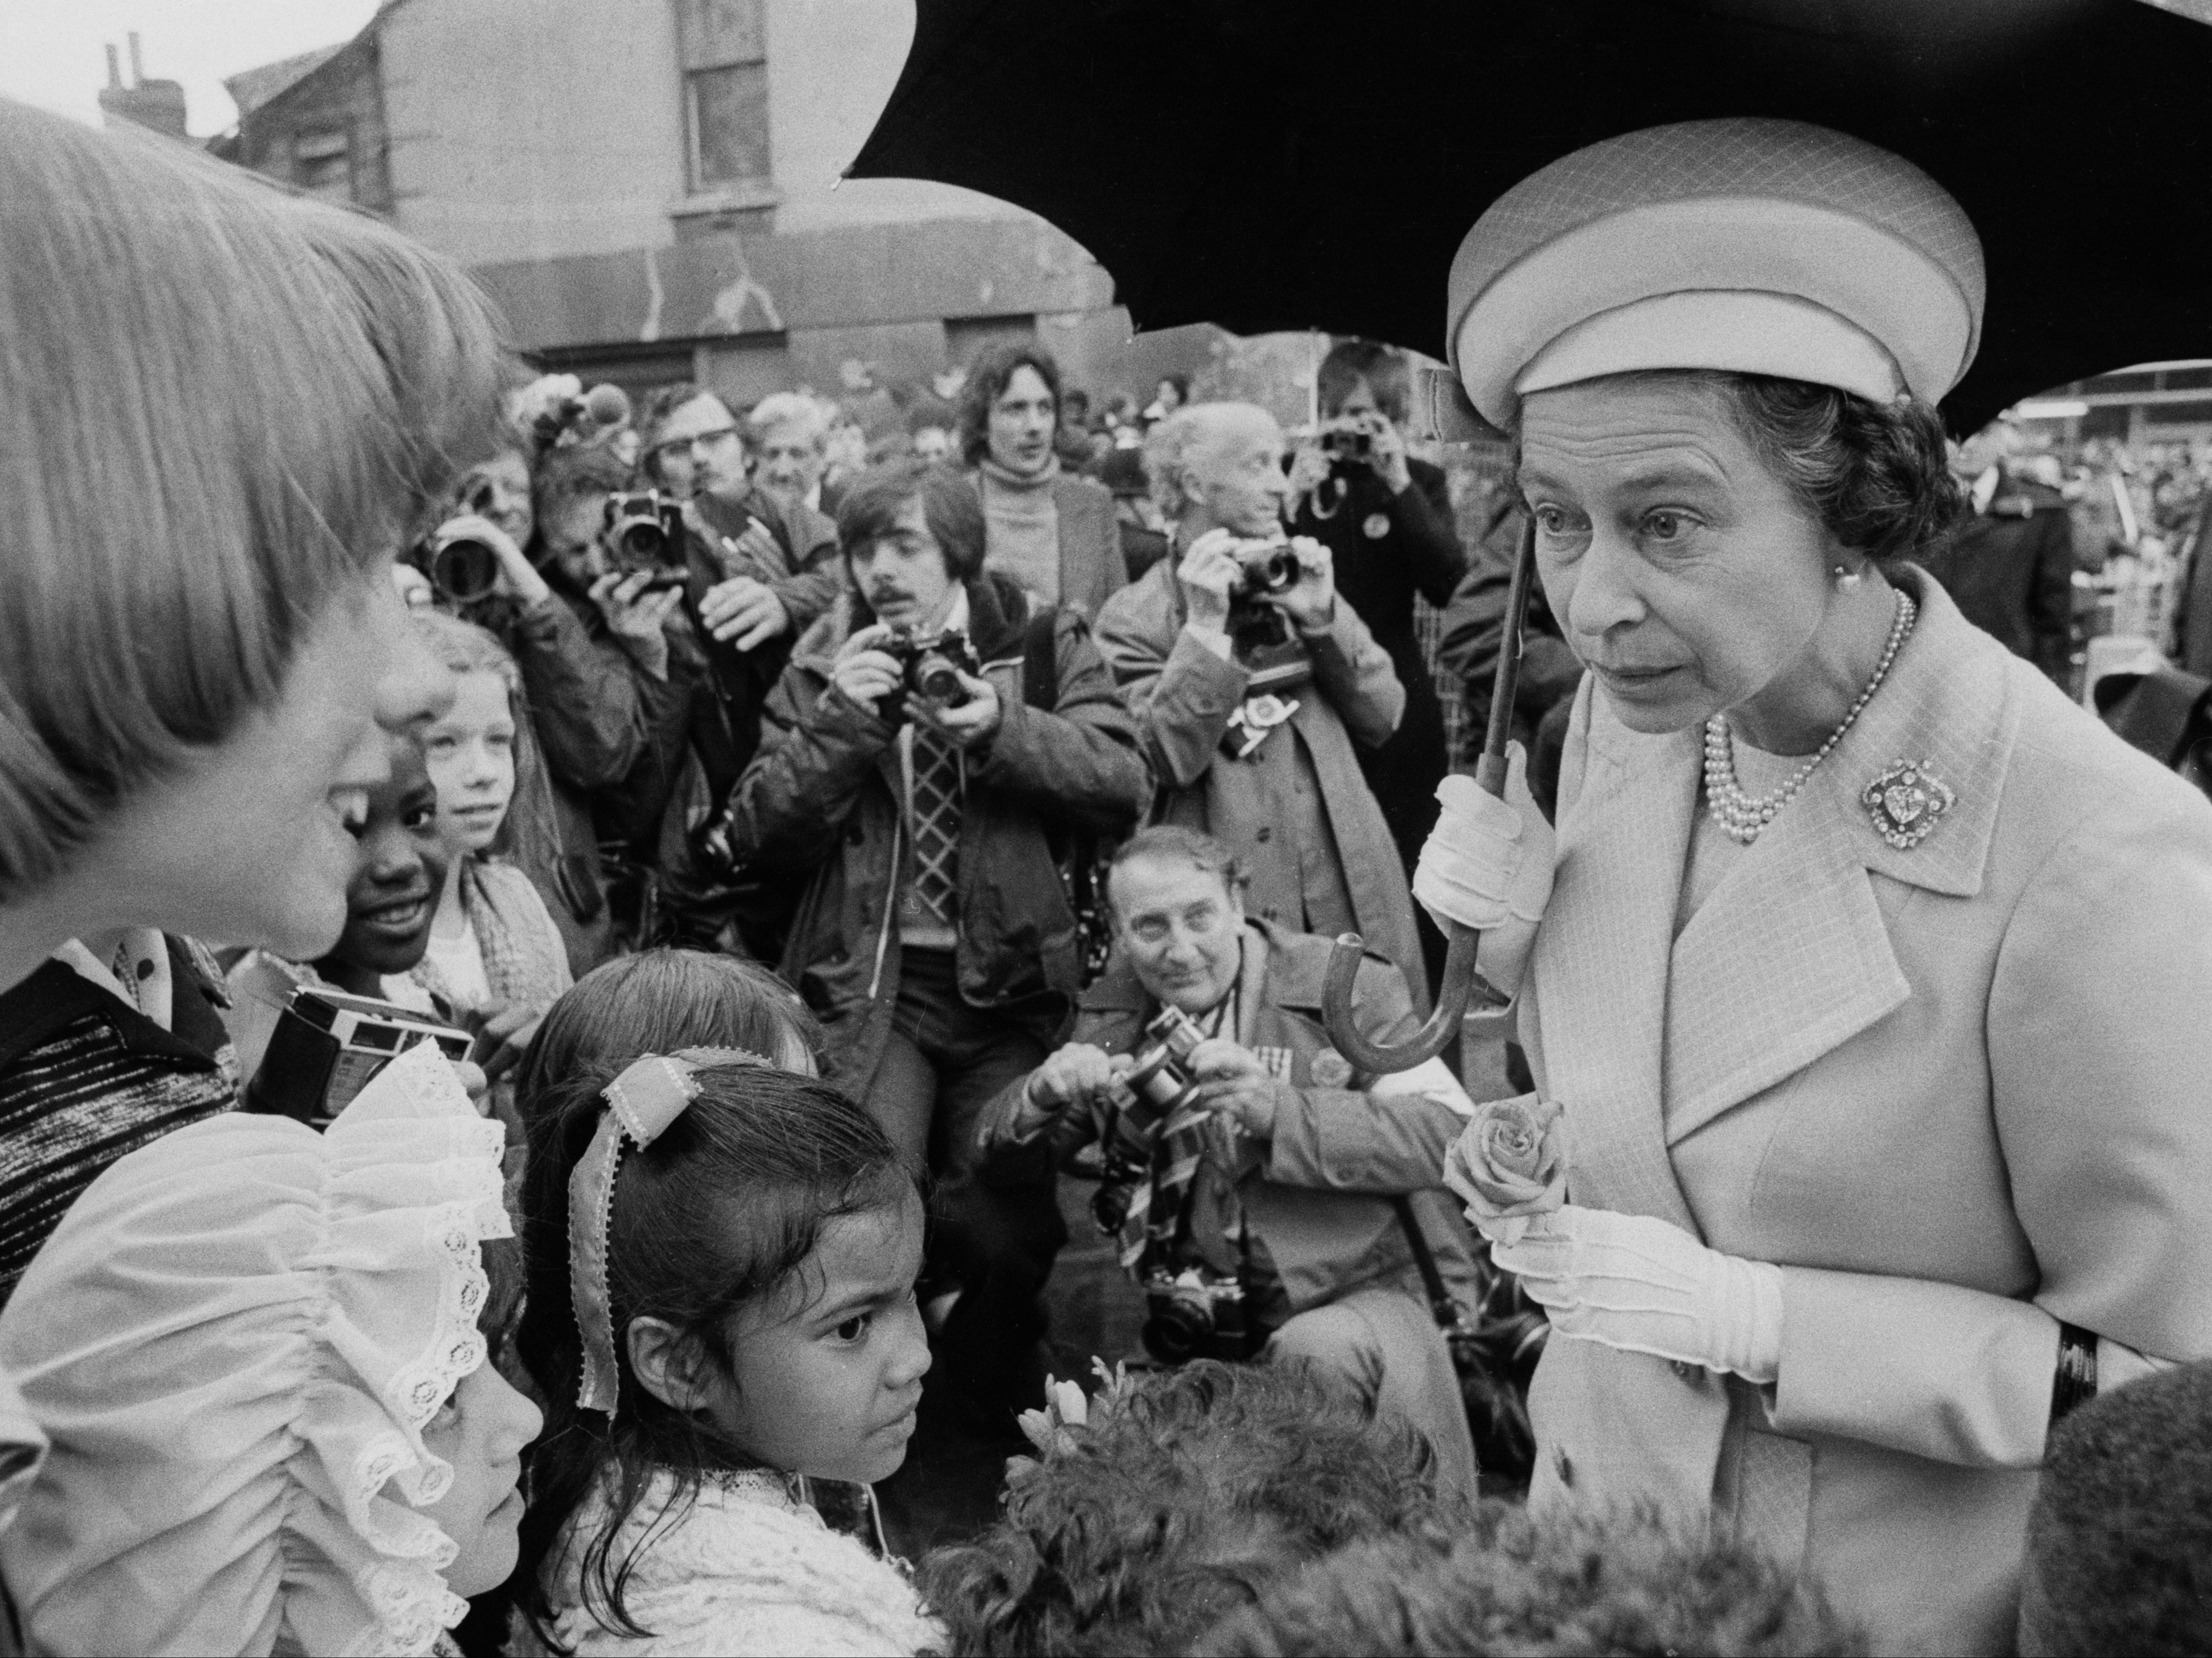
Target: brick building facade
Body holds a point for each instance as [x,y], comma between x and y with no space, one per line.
[651,189]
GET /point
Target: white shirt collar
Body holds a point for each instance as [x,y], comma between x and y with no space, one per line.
[142,954]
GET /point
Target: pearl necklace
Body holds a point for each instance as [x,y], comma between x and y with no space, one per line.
[1742,816]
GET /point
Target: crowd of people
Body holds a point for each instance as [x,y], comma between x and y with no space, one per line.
[557,958]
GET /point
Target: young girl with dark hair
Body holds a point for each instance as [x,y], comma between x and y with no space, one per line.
[734,1247]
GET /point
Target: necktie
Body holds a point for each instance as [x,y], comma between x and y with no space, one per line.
[936,808]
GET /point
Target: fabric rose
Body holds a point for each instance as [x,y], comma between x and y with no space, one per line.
[1510,1165]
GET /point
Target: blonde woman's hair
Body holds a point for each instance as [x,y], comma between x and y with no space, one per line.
[226,409]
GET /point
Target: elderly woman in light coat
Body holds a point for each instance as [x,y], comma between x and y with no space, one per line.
[1873,976]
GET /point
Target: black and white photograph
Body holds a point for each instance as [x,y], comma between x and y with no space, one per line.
[1075,828]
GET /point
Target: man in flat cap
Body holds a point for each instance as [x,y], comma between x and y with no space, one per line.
[1872,976]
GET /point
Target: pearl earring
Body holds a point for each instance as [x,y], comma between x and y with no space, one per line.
[1847,579]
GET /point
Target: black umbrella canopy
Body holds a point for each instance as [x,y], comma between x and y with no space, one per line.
[1273,164]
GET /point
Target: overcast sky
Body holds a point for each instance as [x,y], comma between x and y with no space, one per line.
[50,50]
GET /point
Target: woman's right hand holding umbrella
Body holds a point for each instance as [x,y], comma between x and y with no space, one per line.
[1487,865]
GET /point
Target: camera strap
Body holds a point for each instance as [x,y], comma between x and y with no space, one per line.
[1442,1307]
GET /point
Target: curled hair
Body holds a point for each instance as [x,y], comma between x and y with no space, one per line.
[986,384]
[2121,1528]
[719,1213]
[1180,1503]
[1875,476]
[1511,1581]
[950,506]
[225,408]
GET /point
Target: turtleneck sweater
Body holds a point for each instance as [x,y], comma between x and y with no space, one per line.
[1021,520]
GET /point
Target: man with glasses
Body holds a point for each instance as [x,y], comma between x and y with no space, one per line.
[760,571]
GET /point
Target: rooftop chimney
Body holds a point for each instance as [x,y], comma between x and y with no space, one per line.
[158,105]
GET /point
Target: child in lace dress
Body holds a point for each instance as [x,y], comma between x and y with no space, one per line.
[738,1245]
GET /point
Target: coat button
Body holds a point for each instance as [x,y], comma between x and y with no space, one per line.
[1263,832]
[1562,1466]
[1685,1369]
[853,836]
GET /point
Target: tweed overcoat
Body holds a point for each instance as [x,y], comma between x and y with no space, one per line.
[1183,696]
[1958,1093]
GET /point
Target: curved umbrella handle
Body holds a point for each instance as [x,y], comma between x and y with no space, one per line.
[1462,984]
[1460,981]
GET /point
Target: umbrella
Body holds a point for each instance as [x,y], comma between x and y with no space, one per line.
[1282,164]
[1288,164]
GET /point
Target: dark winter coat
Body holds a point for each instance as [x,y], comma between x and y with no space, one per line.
[1387,548]
[2009,568]
[824,799]
[591,707]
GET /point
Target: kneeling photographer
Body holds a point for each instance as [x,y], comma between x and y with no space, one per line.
[1263,1193]
[526,557]
[937,736]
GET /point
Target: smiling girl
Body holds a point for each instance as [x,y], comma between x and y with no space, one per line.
[496,958]
[741,1246]
[399,873]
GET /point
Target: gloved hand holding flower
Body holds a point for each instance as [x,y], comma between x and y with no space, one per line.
[1509,1165]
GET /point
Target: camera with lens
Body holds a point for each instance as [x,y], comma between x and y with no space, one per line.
[645,531]
[328,1045]
[1195,1315]
[1152,1088]
[1347,442]
[1265,566]
[930,665]
[463,569]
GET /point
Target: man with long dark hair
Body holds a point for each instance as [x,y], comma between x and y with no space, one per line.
[1053,532]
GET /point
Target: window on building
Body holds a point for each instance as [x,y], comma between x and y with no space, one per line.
[322,163]
[725,91]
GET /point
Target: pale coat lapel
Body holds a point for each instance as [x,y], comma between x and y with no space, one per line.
[1789,957]
[1601,961]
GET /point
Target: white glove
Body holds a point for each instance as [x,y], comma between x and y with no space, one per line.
[1487,865]
[1645,1285]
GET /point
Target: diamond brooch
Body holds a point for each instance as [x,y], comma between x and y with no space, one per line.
[1906,801]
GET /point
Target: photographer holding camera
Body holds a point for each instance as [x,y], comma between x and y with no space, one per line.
[753,572]
[934,735]
[1255,683]
[1253,1179]
[526,558]
[1387,519]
